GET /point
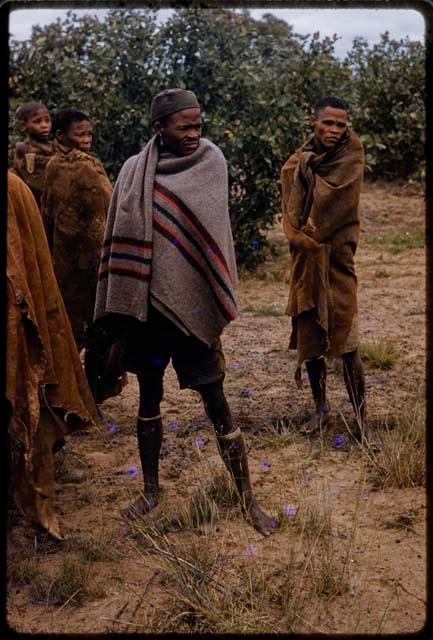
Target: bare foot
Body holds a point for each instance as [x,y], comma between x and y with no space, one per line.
[318,419]
[141,506]
[263,523]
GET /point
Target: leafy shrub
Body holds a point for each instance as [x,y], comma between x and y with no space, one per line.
[256,82]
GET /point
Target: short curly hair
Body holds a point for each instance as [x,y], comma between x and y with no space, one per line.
[63,119]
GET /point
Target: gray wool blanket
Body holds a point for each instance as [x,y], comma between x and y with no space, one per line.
[168,239]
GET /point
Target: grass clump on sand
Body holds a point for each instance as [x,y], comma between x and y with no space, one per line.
[382,354]
[397,240]
[381,273]
[22,565]
[73,584]
[279,434]
[263,309]
[399,459]
[208,592]
[70,467]
[93,549]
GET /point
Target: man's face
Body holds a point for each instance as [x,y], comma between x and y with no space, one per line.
[329,125]
[182,131]
[38,126]
[79,136]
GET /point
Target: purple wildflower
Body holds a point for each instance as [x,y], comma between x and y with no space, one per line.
[172,426]
[111,427]
[288,510]
[124,527]
[339,440]
[251,549]
[199,441]
[265,465]
[248,392]
[132,472]
[233,363]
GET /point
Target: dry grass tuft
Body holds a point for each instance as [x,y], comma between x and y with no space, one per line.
[397,240]
[263,309]
[202,599]
[70,467]
[382,354]
[92,549]
[22,565]
[399,459]
[73,584]
[382,273]
[279,434]
[402,521]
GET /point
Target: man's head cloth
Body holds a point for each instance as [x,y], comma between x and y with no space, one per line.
[170,101]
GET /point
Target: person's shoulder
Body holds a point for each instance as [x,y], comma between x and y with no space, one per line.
[128,166]
[21,148]
[14,181]
[17,186]
[75,155]
[211,147]
[354,140]
[130,162]
[292,160]
[56,159]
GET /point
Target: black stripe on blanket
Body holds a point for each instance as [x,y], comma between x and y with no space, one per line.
[125,256]
[146,244]
[194,221]
[166,234]
[189,238]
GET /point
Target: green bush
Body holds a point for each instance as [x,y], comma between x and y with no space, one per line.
[256,82]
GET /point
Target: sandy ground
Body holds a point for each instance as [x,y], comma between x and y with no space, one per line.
[377,535]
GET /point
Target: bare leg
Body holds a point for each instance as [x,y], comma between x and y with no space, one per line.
[232,449]
[149,437]
[316,368]
[355,385]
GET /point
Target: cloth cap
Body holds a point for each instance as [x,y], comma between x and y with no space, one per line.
[170,101]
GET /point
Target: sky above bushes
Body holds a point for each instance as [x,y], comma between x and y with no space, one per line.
[346,23]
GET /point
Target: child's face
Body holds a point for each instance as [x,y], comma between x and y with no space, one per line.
[79,136]
[38,126]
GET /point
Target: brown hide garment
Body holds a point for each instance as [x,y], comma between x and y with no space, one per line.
[74,208]
[320,199]
[30,163]
[46,388]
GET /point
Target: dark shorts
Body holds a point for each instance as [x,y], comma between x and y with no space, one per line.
[148,347]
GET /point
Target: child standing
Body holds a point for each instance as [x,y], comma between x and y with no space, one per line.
[33,154]
[74,207]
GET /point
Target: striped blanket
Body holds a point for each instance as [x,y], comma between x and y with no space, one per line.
[168,239]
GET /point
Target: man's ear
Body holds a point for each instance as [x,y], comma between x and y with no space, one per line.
[312,121]
[22,125]
[157,126]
